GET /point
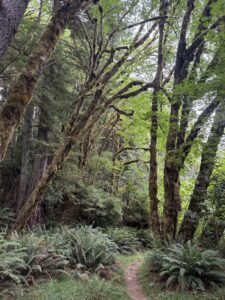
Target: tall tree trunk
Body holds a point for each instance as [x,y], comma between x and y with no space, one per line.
[33,200]
[56,5]
[24,171]
[192,216]
[21,94]
[175,162]
[11,14]
[115,170]
[171,180]
[40,163]
[153,184]
[85,148]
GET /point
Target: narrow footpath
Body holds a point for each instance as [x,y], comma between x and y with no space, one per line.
[132,282]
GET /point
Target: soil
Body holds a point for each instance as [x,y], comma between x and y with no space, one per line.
[132,282]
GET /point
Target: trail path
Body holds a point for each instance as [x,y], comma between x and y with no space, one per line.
[132,282]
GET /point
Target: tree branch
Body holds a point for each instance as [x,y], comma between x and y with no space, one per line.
[131,149]
[145,21]
[122,112]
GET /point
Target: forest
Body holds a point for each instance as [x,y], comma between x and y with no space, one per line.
[112,161]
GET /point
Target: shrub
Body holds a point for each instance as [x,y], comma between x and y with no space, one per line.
[187,266]
[145,237]
[125,238]
[136,206]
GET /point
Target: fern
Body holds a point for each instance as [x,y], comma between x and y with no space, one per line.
[12,262]
[86,246]
[187,266]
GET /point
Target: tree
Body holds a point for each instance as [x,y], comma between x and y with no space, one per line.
[184,57]
[154,213]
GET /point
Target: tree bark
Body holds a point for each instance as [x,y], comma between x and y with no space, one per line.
[153,175]
[153,184]
[21,94]
[40,163]
[192,216]
[24,170]
[33,200]
[11,14]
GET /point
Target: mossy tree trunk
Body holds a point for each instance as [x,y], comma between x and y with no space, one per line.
[153,175]
[171,178]
[192,216]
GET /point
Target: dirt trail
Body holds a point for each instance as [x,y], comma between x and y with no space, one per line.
[132,282]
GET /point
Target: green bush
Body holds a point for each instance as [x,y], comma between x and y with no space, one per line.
[136,206]
[84,204]
[125,238]
[187,267]
[145,237]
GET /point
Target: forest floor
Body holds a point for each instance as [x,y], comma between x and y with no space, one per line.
[129,283]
